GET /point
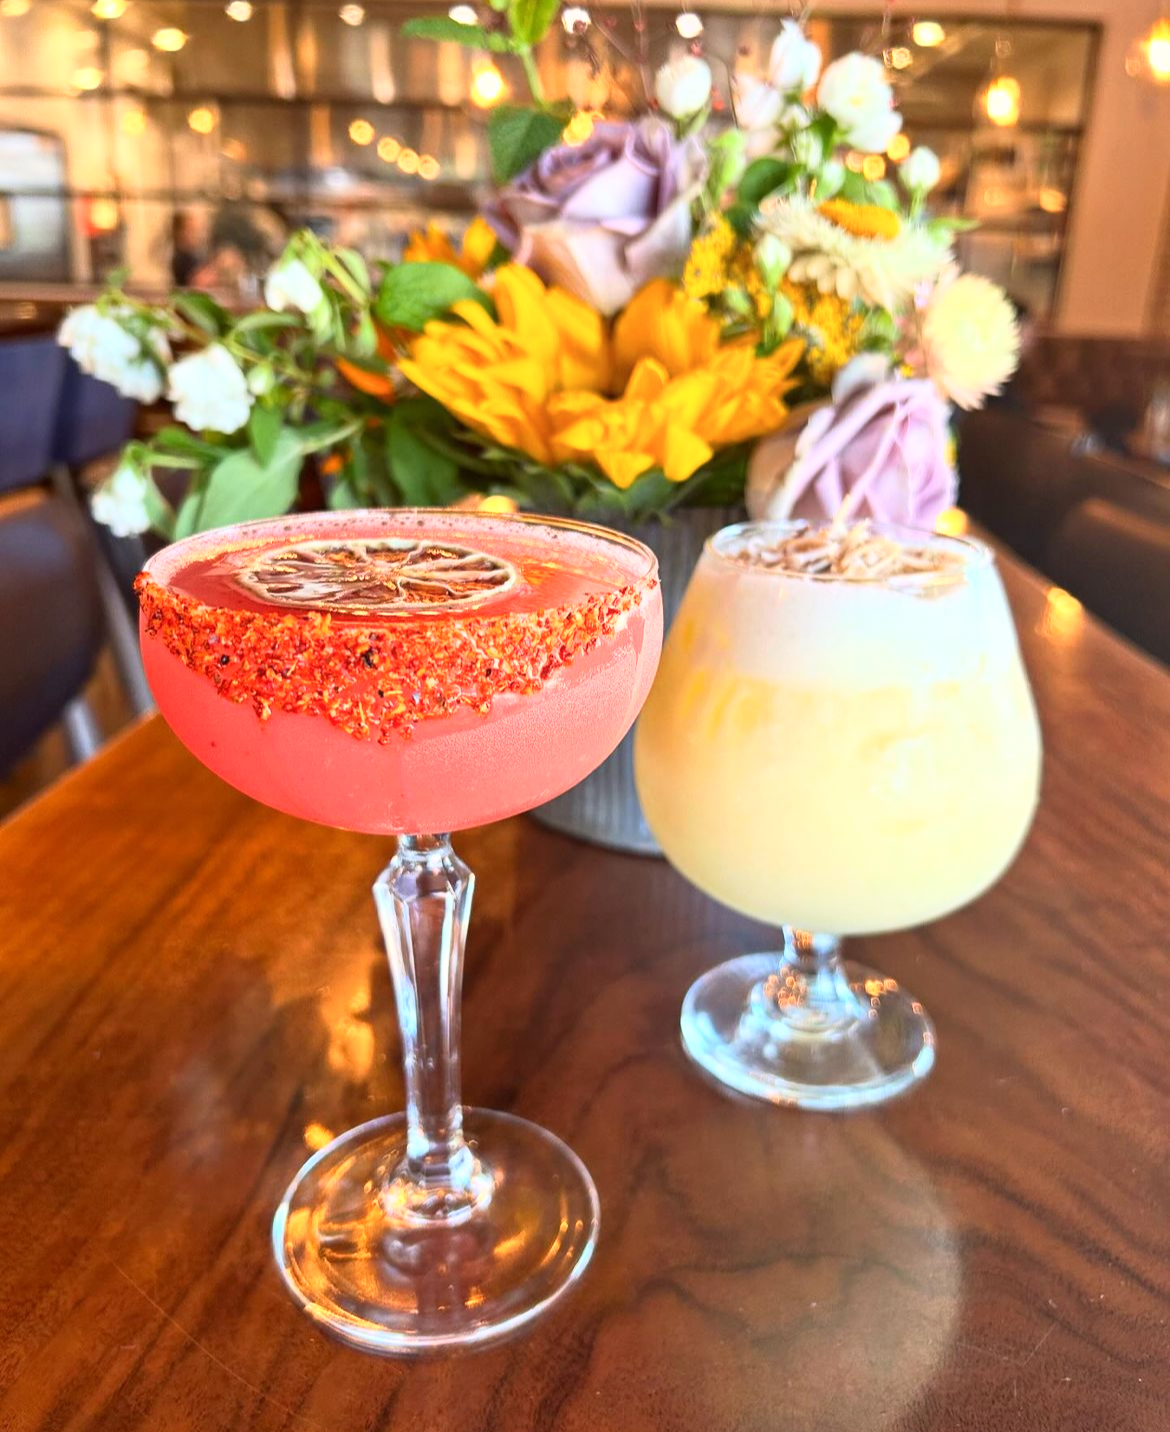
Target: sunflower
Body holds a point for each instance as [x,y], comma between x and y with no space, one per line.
[549,378]
[431,245]
[854,251]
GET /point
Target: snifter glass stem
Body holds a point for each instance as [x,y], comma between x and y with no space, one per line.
[424,904]
[805,1027]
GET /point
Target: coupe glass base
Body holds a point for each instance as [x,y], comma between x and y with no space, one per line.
[877,1046]
[402,1284]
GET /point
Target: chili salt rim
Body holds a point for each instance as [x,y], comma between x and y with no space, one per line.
[352,672]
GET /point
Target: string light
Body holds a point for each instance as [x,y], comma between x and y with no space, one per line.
[103,216]
[408,161]
[854,161]
[487,85]
[361,131]
[1052,201]
[352,14]
[928,34]
[428,167]
[240,10]
[1149,59]
[169,39]
[1002,101]
[689,25]
[873,168]
[898,148]
[899,58]
[88,77]
[202,120]
[389,149]
[108,9]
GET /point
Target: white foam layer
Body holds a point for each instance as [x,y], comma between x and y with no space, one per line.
[783,627]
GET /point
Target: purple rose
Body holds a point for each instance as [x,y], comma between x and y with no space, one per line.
[881,452]
[603,218]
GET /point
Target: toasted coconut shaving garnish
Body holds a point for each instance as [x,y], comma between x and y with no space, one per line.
[857,553]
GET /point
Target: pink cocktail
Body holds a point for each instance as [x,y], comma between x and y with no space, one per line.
[413,672]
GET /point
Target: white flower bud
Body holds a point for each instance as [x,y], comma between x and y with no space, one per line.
[683,86]
[921,170]
[209,391]
[120,502]
[290,285]
[795,61]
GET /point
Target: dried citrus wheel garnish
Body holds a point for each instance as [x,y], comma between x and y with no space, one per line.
[382,576]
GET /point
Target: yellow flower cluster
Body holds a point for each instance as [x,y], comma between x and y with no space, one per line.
[431,245]
[550,379]
[719,260]
[829,325]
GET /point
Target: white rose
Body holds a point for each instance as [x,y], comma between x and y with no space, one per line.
[683,86]
[120,502]
[209,391]
[921,170]
[796,60]
[290,285]
[103,347]
[855,92]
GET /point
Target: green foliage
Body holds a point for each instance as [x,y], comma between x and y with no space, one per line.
[530,20]
[202,310]
[410,295]
[264,427]
[763,177]
[423,475]
[445,30]
[517,137]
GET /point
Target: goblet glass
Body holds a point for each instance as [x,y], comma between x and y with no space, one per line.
[414,673]
[836,755]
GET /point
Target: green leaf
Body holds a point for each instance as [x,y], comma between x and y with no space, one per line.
[158,509]
[943,227]
[424,476]
[761,178]
[442,27]
[264,426]
[517,137]
[240,489]
[412,294]
[203,311]
[188,515]
[265,318]
[355,266]
[181,440]
[882,193]
[530,19]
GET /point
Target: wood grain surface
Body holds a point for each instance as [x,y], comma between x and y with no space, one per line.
[192,996]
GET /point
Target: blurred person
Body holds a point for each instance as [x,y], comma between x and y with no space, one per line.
[186,248]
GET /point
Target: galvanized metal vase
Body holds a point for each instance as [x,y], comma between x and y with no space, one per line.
[604,808]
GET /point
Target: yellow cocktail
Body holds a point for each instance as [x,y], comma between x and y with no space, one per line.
[845,751]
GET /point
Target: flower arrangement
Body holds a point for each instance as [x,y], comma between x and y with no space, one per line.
[649,312]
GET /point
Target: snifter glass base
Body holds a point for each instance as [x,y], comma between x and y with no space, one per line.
[390,1277]
[811,1031]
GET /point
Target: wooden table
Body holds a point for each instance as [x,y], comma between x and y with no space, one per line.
[192,995]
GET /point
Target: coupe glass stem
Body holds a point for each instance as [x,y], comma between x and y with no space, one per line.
[424,904]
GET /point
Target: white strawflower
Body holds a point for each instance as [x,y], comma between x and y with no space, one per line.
[921,170]
[971,339]
[102,346]
[683,86]
[120,502]
[209,391]
[854,90]
[290,285]
[882,269]
[795,62]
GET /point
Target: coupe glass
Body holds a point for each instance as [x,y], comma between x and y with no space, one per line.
[835,756]
[413,672]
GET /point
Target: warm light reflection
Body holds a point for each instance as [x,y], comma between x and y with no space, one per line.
[389,149]
[108,9]
[928,34]
[352,14]
[1002,101]
[1052,201]
[1156,47]
[487,85]
[898,148]
[134,122]
[88,77]
[951,522]
[169,39]
[854,161]
[873,167]
[408,161]
[316,1136]
[240,10]
[234,149]
[13,9]
[1063,617]
[202,120]
[103,216]
[428,167]
[361,131]
[901,58]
